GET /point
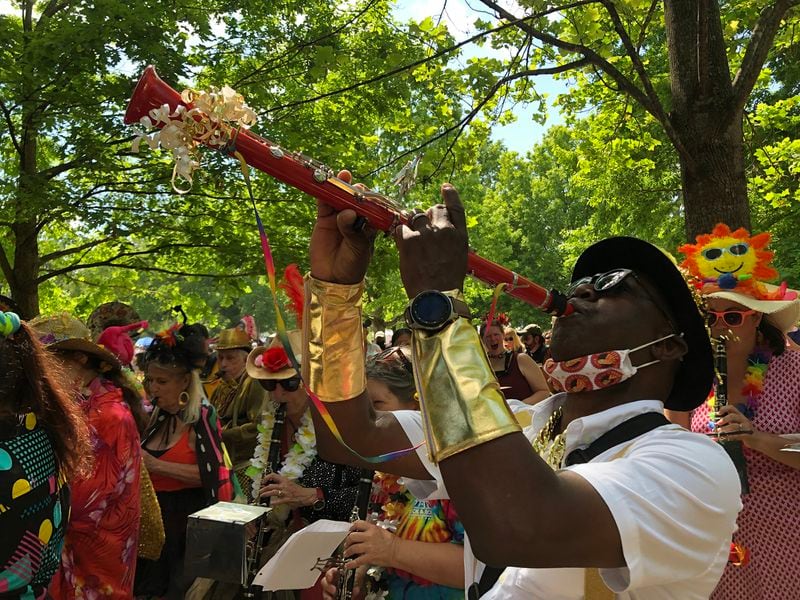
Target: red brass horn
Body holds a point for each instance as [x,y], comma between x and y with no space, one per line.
[318,180]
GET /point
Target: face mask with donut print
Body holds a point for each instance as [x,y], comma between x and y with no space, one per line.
[595,371]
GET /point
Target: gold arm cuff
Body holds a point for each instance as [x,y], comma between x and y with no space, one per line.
[333,340]
[462,405]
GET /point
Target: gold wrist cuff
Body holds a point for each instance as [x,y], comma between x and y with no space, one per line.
[333,340]
[461,402]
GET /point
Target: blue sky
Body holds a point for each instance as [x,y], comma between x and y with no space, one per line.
[459,16]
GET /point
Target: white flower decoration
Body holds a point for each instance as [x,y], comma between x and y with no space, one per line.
[212,120]
[295,461]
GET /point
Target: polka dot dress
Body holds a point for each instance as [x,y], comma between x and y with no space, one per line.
[33,510]
[768,523]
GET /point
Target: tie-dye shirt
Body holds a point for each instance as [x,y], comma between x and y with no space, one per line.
[432,521]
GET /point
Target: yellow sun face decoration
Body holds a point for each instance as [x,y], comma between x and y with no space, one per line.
[730,259]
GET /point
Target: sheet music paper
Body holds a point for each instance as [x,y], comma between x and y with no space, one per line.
[294,565]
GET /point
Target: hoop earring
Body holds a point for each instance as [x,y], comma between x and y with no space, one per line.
[183,399]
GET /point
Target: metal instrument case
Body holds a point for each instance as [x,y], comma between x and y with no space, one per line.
[216,541]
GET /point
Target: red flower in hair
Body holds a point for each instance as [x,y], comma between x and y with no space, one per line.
[274,359]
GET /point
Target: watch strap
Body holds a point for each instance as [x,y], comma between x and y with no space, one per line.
[458,308]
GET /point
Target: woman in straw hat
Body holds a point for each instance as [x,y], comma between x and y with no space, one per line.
[183,452]
[763,387]
[301,487]
[99,555]
[44,442]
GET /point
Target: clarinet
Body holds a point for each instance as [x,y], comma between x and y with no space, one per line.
[732,447]
[318,180]
[347,577]
[273,464]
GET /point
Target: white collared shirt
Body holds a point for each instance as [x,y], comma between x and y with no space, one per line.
[674,496]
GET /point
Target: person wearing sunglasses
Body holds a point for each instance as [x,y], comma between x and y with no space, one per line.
[598,494]
[304,488]
[511,340]
[763,392]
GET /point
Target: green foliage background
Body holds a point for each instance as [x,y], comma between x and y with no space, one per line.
[353,87]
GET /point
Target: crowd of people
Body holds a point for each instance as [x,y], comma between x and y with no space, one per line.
[642,448]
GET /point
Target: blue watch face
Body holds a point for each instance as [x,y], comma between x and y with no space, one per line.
[431,309]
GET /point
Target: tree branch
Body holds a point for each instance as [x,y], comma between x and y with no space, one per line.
[11,129]
[243,81]
[422,61]
[625,84]
[633,54]
[63,167]
[139,267]
[476,109]
[756,54]
[109,262]
[53,7]
[75,249]
[5,266]
[646,23]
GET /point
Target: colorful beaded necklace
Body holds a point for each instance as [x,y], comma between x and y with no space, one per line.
[753,387]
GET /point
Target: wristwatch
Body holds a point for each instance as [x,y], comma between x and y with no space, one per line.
[319,503]
[431,310]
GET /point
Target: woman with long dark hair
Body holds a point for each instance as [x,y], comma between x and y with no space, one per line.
[99,555]
[44,443]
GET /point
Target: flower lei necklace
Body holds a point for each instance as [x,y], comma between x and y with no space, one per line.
[301,453]
[753,386]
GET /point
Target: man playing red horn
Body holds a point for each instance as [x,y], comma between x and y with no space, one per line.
[599,495]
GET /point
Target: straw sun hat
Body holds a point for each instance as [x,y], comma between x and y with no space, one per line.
[271,362]
[65,332]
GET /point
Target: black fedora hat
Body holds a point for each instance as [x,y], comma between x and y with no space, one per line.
[695,376]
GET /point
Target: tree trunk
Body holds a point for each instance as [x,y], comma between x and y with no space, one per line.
[24,287]
[714,183]
[712,164]
[24,283]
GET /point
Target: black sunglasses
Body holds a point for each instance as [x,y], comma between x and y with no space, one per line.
[290,385]
[605,282]
[602,282]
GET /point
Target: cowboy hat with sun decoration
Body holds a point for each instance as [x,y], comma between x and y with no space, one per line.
[735,265]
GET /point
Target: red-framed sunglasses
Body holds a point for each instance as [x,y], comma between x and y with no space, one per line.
[731,318]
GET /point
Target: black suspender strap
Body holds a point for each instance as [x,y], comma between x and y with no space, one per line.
[624,432]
